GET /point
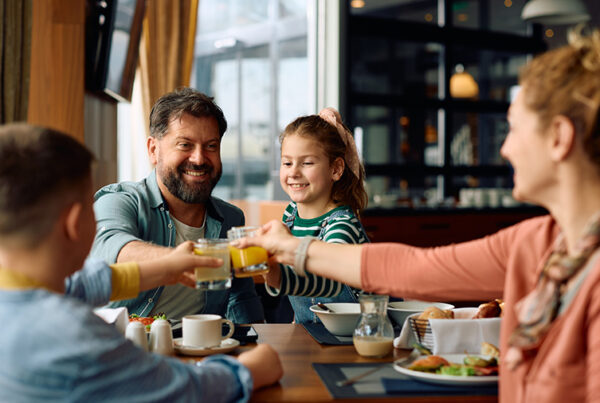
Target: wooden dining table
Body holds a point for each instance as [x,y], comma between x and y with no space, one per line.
[300,383]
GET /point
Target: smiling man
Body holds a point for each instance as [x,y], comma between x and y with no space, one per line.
[144,220]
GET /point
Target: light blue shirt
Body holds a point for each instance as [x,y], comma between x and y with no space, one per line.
[54,348]
[136,211]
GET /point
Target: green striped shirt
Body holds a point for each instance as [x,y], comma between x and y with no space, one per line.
[343,228]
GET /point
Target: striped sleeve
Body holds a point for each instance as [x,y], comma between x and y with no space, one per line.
[343,230]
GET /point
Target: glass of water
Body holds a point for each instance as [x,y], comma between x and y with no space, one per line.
[213,278]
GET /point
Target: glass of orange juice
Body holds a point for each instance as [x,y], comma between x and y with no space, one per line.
[213,278]
[249,261]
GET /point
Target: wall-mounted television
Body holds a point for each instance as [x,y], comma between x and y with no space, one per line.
[112,35]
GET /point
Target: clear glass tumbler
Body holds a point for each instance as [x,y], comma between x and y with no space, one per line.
[249,261]
[213,278]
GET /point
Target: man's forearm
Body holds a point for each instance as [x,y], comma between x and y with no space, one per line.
[138,251]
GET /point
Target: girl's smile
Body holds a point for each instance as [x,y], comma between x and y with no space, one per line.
[306,175]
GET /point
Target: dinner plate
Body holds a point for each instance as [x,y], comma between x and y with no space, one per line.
[449,379]
[226,346]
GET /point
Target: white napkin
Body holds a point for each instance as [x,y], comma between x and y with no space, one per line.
[117,316]
[456,335]
[406,338]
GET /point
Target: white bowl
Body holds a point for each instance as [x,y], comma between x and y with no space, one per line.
[343,319]
[400,310]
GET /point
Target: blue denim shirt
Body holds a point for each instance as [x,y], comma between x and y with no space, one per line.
[53,348]
[136,211]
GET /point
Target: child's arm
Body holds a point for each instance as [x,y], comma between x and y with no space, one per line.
[284,280]
[309,286]
[96,283]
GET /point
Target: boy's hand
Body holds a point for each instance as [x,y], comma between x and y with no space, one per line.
[175,267]
[264,365]
[183,263]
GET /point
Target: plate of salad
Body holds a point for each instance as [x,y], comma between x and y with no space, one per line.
[146,320]
[452,369]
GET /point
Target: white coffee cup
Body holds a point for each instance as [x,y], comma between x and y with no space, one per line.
[204,330]
[136,332]
[161,337]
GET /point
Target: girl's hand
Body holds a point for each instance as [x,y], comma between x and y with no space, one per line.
[273,277]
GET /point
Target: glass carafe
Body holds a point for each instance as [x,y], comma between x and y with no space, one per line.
[374,333]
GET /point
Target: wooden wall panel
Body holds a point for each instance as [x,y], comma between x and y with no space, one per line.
[56,88]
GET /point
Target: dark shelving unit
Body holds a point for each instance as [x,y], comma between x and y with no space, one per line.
[400,71]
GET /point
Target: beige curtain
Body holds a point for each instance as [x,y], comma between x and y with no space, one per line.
[166,48]
[15,56]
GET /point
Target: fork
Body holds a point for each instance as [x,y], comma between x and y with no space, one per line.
[350,381]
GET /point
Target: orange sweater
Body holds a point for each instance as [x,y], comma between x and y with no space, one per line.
[505,265]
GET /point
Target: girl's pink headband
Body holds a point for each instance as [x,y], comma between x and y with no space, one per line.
[332,116]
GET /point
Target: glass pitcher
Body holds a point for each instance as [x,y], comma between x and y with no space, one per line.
[374,333]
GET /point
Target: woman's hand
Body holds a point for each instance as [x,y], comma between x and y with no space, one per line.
[276,238]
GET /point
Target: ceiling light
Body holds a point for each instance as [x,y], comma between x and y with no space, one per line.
[555,12]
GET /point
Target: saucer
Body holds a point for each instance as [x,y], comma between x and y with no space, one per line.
[226,346]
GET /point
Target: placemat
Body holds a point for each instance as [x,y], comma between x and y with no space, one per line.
[387,382]
[322,335]
[369,386]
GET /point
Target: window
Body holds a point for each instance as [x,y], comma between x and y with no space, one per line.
[252,56]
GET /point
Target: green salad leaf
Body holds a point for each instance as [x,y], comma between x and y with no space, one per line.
[457,370]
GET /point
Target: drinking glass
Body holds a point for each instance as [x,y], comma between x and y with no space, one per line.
[213,278]
[249,261]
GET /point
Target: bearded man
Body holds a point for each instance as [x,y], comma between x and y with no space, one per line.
[139,221]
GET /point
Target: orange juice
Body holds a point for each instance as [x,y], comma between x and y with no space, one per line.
[249,261]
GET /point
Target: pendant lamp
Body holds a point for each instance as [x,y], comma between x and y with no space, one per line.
[462,84]
[555,12]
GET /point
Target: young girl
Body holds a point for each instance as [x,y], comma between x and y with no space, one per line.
[321,172]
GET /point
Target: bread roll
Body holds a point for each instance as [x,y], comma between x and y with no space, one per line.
[434,312]
[488,310]
[431,312]
[489,350]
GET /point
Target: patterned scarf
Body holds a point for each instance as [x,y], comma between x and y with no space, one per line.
[537,310]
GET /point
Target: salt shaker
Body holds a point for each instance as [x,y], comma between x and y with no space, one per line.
[136,332]
[161,338]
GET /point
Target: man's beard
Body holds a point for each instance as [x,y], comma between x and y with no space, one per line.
[196,193]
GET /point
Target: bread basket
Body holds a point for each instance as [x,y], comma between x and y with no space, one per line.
[455,335]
